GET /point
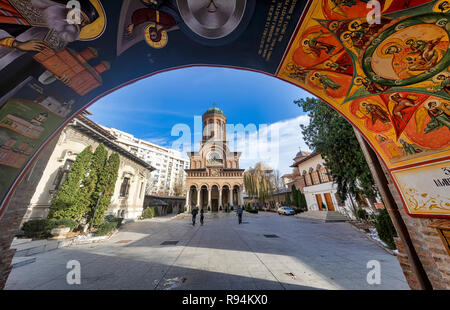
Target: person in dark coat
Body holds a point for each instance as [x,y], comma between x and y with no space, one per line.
[201,216]
[239,212]
[194,215]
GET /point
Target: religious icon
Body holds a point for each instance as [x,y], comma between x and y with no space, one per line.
[439,114]
[402,103]
[376,112]
[313,44]
[155,33]
[409,148]
[18,16]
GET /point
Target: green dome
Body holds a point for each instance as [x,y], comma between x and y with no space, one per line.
[214,110]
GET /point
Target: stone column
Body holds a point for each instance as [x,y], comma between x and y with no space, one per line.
[220,199]
[198,197]
[231,197]
[241,197]
[188,200]
[209,198]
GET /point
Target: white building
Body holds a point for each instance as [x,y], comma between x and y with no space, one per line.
[129,192]
[170,164]
[312,177]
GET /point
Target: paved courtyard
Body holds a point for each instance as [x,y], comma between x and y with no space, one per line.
[219,255]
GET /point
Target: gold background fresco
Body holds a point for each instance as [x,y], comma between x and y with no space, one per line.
[389,79]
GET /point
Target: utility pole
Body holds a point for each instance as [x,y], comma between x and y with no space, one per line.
[392,208]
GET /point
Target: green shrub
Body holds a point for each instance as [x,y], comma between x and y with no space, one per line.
[251,210]
[42,228]
[298,210]
[105,228]
[112,219]
[149,213]
[385,228]
[362,214]
[35,228]
[53,223]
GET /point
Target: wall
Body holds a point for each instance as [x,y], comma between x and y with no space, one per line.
[428,245]
[71,143]
[17,207]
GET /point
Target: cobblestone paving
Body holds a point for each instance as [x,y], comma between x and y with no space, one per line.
[219,255]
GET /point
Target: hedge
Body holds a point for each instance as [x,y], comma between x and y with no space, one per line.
[105,228]
[385,228]
[149,213]
[42,228]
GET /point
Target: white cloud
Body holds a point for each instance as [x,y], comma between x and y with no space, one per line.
[275,144]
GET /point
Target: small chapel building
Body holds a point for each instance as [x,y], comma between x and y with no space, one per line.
[214,181]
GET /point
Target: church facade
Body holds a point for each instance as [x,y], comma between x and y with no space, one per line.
[214,180]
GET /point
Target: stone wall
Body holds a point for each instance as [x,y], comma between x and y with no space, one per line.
[428,245]
[17,207]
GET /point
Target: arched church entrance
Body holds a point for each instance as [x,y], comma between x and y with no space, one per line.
[215,198]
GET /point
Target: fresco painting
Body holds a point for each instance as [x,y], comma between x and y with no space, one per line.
[396,76]
[390,79]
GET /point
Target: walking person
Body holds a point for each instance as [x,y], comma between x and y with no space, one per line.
[201,216]
[240,211]
[194,215]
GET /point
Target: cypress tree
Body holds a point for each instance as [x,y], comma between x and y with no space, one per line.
[106,183]
[288,199]
[89,193]
[295,201]
[302,201]
[66,203]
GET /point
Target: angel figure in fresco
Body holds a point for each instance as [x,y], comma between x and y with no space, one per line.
[391,149]
[427,54]
[370,86]
[338,66]
[312,44]
[19,16]
[444,83]
[401,103]
[296,72]
[408,148]
[376,112]
[325,81]
[440,115]
[157,33]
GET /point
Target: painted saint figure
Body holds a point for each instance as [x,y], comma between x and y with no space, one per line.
[440,115]
[326,81]
[427,55]
[162,22]
[376,113]
[401,103]
[51,14]
[408,148]
[315,46]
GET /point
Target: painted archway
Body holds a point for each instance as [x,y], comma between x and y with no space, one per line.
[390,78]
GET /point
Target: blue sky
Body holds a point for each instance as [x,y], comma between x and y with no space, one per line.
[150,108]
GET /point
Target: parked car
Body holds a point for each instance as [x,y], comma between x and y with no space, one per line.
[286,211]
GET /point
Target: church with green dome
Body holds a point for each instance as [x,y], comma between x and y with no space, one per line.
[214,181]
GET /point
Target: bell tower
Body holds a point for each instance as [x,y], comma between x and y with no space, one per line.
[214,125]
